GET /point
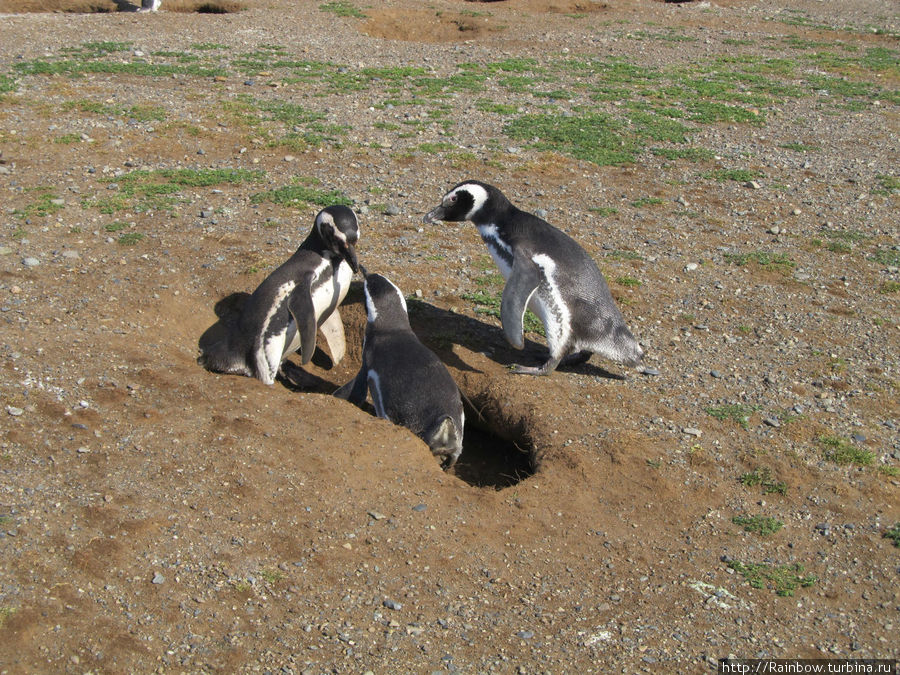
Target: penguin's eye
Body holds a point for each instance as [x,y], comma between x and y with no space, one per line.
[452,198]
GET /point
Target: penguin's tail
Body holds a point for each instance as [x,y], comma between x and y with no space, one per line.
[218,357]
[445,440]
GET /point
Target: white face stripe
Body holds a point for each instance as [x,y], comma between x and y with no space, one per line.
[479,197]
[399,295]
[371,312]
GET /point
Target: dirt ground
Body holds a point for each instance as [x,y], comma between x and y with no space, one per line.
[156,517]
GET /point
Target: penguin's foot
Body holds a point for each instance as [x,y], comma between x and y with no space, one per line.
[531,370]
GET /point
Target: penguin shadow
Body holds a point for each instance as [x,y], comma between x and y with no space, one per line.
[440,329]
[294,377]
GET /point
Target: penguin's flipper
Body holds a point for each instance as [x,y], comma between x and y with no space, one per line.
[333,330]
[355,390]
[304,313]
[524,278]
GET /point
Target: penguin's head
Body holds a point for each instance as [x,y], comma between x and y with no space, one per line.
[385,304]
[339,229]
[463,202]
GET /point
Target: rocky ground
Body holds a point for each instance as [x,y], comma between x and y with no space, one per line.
[155,517]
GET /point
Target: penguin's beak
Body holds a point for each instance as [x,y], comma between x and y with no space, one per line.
[437,213]
[348,253]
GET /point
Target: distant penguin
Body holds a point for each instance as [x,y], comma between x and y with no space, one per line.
[547,272]
[298,298]
[409,384]
[150,5]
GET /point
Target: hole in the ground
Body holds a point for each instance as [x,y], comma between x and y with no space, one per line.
[491,460]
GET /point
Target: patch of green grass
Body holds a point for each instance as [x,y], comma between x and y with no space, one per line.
[208,46]
[485,105]
[800,147]
[893,533]
[888,287]
[435,147]
[7,84]
[595,137]
[889,470]
[290,195]
[690,154]
[841,452]
[342,8]
[46,203]
[271,576]
[736,412]
[839,247]
[737,175]
[783,579]
[887,184]
[630,282]
[761,525]
[886,256]
[761,258]
[130,238]
[146,113]
[68,139]
[762,476]
[489,303]
[646,201]
[79,67]
[117,226]
[604,211]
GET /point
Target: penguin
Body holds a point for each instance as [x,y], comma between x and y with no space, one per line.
[547,272]
[150,5]
[287,308]
[408,383]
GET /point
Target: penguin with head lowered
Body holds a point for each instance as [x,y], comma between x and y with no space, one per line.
[292,303]
[408,383]
[547,272]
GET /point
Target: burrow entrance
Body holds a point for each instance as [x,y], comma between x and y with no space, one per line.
[491,460]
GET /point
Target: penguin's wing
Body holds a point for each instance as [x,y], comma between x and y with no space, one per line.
[524,278]
[304,312]
[333,330]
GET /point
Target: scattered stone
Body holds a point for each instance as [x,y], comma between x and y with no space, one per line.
[647,370]
[31,262]
[525,634]
[158,578]
[752,184]
[541,213]
[71,255]
[390,604]
[5,250]
[14,411]
[83,450]
[376,515]
[772,422]
[690,267]
[715,373]
[419,507]
[392,210]
[691,431]
[858,437]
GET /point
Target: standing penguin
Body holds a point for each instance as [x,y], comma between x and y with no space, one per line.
[298,298]
[547,272]
[409,384]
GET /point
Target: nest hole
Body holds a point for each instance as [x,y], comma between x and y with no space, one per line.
[493,458]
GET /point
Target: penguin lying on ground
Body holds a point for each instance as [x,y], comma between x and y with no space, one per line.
[298,298]
[547,272]
[409,384]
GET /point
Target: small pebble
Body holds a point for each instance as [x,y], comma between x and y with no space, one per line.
[14,411]
[525,634]
[31,262]
[691,431]
[647,370]
[392,210]
[390,604]
[419,507]
[715,373]
[772,422]
[158,578]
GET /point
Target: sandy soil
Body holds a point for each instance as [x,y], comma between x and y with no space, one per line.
[160,518]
